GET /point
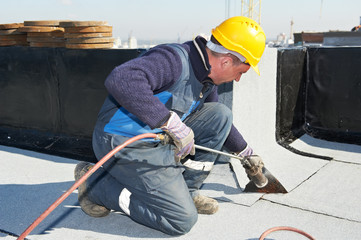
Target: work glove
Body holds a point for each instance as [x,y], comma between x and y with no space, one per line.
[252,163]
[182,136]
[248,151]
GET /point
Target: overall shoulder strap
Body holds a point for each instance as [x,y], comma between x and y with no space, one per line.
[183,54]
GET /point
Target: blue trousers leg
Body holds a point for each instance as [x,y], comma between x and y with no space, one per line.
[143,181]
[211,126]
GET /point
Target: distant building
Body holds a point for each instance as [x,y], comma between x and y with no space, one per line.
[117,43]
[132,42]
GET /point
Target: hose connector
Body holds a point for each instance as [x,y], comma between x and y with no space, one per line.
[163,138]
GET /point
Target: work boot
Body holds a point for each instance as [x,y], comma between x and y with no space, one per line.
[90,208]
[205,205]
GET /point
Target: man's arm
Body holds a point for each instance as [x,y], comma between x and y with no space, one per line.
[134,83]
[235,141]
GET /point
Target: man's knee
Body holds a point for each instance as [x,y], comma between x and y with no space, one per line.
[183,222]
[224,112]
[180,216]
[220,116]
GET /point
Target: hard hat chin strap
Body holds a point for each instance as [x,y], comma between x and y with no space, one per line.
[220,49]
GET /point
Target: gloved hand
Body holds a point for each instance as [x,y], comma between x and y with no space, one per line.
[182,136]
[254,169]
[248,151]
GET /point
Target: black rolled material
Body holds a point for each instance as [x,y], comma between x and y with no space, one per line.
[318,93]
[50,97]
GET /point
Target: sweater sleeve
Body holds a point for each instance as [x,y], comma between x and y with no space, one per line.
[134,83]
[235,141]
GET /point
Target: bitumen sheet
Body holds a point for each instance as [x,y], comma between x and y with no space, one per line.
[322,199]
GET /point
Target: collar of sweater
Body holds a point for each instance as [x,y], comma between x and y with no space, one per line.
[199,58]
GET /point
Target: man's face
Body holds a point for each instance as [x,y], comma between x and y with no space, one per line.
[224,70]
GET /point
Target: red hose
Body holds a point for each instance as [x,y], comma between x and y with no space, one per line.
[81,180]
[98,165]
[285,229]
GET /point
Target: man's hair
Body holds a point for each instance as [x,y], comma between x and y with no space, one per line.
[235,60]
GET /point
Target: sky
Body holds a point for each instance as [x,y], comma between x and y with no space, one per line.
[182,20]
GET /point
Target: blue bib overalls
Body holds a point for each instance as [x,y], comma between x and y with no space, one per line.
[143,180]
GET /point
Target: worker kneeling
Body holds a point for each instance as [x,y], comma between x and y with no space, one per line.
[170,89]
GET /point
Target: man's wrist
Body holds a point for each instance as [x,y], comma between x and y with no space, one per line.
[165,120]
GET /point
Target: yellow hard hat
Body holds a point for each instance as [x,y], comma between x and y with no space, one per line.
[242,35]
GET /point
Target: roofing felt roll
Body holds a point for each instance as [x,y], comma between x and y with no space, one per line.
[40,29]
[47,44]
[11,36]
[45,34]
[96,29]
[89,45]
[4,43]
[90,40]
[46,23]
[83,23]
[13,31]
[45,39]
[87,35]
[11,25]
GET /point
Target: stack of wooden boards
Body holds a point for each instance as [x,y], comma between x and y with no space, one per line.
[10,36]
[69,34]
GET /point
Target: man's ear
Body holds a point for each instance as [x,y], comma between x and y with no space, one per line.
[226,61]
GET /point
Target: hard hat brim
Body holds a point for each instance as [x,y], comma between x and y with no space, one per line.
[255,68]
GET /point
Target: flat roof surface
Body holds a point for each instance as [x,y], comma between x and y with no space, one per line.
[325,205]
[323,196]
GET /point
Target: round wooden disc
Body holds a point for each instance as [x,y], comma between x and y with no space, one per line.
[87,35]
[13,37]
[49,23]
[13,31]
[46,39]
[11,25]
[99,29]
[40,29]
[90,40]
[89,45]
[45,34]
[36,44]
[82,23]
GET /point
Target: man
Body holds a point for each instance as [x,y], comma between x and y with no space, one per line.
[172,88]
